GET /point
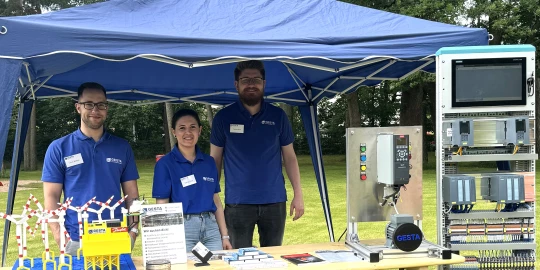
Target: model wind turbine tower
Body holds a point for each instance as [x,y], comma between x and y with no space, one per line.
[106,205]
[48,217]
[106,239]
[81,214]
[21,222]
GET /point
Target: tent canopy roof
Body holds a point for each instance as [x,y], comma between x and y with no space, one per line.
[182,50]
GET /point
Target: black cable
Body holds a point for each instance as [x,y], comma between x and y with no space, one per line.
[530,86]
[393,194]
[342,234]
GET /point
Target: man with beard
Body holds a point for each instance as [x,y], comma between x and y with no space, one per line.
[250,137]
[86,163]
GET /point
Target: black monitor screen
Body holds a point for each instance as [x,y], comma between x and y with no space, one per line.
[488,82]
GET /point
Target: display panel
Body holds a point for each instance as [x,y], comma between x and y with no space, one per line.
[401,140]
[488,82]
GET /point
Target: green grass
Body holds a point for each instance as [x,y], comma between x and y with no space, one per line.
[311,228]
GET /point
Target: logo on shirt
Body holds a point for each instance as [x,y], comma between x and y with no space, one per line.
[270,123]
[114,160]
[209,179]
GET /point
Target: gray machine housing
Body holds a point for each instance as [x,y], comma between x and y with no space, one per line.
[459,132]
[393,159]
[395,221]
[517,131]
[459,189]
[503,188]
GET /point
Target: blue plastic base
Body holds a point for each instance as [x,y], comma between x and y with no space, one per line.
[125,264]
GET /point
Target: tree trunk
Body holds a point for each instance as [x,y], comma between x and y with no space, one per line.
[347,121]
[33,151]
[412,110]
[166,130]
[169,114]
[288,111]
[209,115]
[353,110]
[30,154]
[430,90]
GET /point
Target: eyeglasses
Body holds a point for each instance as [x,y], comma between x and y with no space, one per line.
[90,105]
[246,81]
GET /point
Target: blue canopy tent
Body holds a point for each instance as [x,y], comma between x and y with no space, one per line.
[186,50]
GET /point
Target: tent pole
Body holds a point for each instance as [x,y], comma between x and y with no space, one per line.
[324,191]
[23,119]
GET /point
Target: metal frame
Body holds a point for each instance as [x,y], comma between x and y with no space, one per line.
[324,195]
[377,253]
[363,204]
[18,147]
[444,111]
[34,84]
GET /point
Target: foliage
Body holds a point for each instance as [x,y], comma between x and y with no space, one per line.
[510,21]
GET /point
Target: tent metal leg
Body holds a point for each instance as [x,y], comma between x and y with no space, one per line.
[322,178]
[25,109]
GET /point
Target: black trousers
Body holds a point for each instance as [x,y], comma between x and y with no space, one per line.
[270,220]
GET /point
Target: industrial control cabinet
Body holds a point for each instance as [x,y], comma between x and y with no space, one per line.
[485,150]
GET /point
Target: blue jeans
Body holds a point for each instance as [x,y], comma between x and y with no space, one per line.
[202,228]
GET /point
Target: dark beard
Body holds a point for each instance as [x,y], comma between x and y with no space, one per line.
[251,100]
[92,126]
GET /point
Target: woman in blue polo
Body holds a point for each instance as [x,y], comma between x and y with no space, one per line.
[189,176]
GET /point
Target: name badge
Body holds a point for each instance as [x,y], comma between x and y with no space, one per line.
[236,128]
[73,160]
[188,180]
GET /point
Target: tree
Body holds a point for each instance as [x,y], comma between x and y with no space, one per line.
[169,115]
[209,114]
[353,118]
[13,8]
[29,7]
[30,153]
[510,22]
[418,92]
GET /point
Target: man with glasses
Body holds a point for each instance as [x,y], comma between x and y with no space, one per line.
[86,163]
[250,137]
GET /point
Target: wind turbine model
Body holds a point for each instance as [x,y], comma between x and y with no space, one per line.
[20,231]
[81,214]
[64,235]
[106,205]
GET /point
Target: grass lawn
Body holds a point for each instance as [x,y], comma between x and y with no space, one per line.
[311,228]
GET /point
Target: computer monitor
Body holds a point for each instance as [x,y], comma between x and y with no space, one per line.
[488,82]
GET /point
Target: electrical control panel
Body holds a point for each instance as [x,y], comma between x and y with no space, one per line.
[458,132]
[459,189]
[390,153]
[393,159]
[503,188]
[485,119]
[517,131]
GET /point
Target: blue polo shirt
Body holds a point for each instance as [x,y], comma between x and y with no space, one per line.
[87,168]
[197,197]
[252,152]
